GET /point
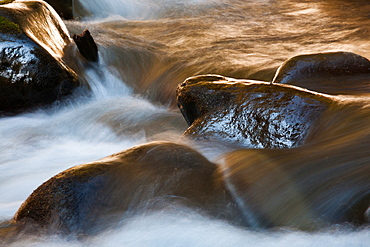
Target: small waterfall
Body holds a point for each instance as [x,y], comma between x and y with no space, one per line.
[104,82]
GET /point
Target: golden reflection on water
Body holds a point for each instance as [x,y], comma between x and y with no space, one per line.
[240,39]
[250,39]
[324,181]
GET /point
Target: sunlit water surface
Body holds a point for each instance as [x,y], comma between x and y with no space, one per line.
[146,48]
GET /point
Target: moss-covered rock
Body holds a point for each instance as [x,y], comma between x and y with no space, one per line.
[7,26]
[32,73]
[6,2]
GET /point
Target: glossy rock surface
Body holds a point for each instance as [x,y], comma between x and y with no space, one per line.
[31,70]
[330,72]
[149,177]
[248,113]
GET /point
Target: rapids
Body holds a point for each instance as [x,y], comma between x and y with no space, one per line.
[146,48]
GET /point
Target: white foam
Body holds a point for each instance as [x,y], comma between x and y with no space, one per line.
[138,9]
[187,229]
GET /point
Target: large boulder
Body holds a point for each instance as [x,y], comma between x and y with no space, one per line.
[330,72]
[324,182]
[309,188]
[32,39]
[249,113]
[90,197]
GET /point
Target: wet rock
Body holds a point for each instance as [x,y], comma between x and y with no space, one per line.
[154,176]
[252,114]
[86,45]
[332,73]
[31,70]
[64,8]
[309,188]
[69,9]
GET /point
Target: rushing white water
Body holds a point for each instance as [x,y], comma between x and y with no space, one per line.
[189,229]
[144,9]
[35,146]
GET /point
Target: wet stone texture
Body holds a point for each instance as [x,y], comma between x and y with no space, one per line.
[308,187]
[251,114]
[64,8]
[86,45]
[91,197]
[331,73]
[30,76]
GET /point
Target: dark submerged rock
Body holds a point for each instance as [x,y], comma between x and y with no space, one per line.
[86,45]
[324,182]
[331,72]
[309,188]
[31,71]
[64,8]
[249,113]
[90,197]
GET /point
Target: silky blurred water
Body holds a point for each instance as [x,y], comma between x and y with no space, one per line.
[146,48]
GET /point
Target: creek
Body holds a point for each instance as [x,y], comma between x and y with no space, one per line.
[146,48]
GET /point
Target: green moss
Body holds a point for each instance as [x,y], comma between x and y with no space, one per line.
[6,1]
[7,26]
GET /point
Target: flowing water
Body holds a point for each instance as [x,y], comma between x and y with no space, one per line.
[146,48]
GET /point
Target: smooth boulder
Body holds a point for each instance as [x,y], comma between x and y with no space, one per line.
[315,186]
[91,197]
[328,72]
[247,113]
[307,188]
[32,73]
